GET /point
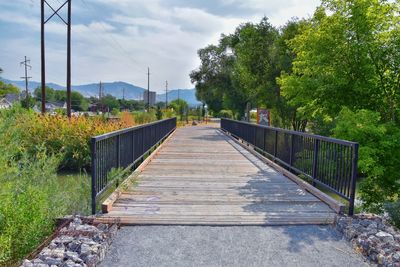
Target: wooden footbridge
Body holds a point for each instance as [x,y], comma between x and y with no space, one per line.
[201,175]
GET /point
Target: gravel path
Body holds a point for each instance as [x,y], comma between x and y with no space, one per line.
[230,246]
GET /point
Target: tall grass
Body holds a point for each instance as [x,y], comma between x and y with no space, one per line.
[31,194]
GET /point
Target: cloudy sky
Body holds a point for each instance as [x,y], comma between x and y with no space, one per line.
[115,40]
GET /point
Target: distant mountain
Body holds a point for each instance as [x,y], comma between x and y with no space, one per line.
[189,95]
[115,89]
[88,90]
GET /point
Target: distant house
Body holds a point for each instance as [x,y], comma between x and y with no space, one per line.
[5,104]
[53,106]
[12,98]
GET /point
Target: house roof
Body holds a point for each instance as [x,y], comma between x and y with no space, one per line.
[4,101]
[11,98]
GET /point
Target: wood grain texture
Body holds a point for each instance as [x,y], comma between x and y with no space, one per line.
[202,177]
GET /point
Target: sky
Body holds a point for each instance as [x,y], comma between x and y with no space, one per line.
[116,40]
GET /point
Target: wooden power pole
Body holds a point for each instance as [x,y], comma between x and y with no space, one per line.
[148,89]
[166,94]
[26,65]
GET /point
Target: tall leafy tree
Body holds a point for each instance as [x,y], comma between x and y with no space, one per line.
[347,55]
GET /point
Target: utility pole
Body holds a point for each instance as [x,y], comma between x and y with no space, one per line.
[43,62]
[69,60]
[179,91]
[43,67]
[100,96]
[26,64]
[123,93]
[148,89]
[166,94]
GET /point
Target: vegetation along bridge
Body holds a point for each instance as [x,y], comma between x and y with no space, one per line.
[233,174]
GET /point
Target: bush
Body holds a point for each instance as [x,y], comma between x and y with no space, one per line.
[379,155]
[62,136]
[393,209]
[145,117]
[225,114]
[31,196]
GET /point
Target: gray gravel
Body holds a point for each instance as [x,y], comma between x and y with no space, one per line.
[230,246]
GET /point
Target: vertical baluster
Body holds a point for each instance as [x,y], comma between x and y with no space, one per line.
[315,161]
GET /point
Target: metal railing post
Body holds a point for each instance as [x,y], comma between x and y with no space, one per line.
[276,145]
[94,173]
[291,150]
[315,161]
[118,151]
[354,167]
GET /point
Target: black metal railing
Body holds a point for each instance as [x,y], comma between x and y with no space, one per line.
[123,149]
[328,162]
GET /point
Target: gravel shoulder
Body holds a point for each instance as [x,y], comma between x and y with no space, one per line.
[230,246]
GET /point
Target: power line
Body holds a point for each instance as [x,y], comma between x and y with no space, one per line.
[119,46]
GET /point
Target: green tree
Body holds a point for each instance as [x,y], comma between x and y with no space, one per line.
[109,102]
[159,113]
[8,89]
[347,58]
[243,69]
[78,102]
[50,94]
[180,106]
[379,155]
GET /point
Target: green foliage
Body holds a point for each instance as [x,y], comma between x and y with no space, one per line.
[31,196]
[130,104]
[110,102]
[114,111]
[78,102]
[144,117]
[243,69]
[225,114]
[159,113]
[7,89]
[379,155]
[346,55]
[180,106]
[393,209]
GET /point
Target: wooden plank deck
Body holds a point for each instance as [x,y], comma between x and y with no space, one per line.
[202,177]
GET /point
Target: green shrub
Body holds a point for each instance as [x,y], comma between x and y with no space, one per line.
[379,155]
[31,194]
[393,209]
[68,138]
[145,117]
[225,114]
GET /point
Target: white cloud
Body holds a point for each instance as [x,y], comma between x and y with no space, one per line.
[118,39]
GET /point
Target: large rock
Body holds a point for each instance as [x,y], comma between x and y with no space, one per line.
[78,245]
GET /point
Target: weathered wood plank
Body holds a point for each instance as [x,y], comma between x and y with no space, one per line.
[200,177]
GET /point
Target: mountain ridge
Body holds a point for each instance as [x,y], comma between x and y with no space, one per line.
[115,89]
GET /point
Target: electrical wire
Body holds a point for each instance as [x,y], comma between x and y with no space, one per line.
[118,45]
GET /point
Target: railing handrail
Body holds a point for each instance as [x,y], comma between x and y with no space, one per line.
[124,149]
[125,130]
[316,136]
[328,162]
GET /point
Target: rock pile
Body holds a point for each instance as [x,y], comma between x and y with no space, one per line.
[79,244]
[373,237]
